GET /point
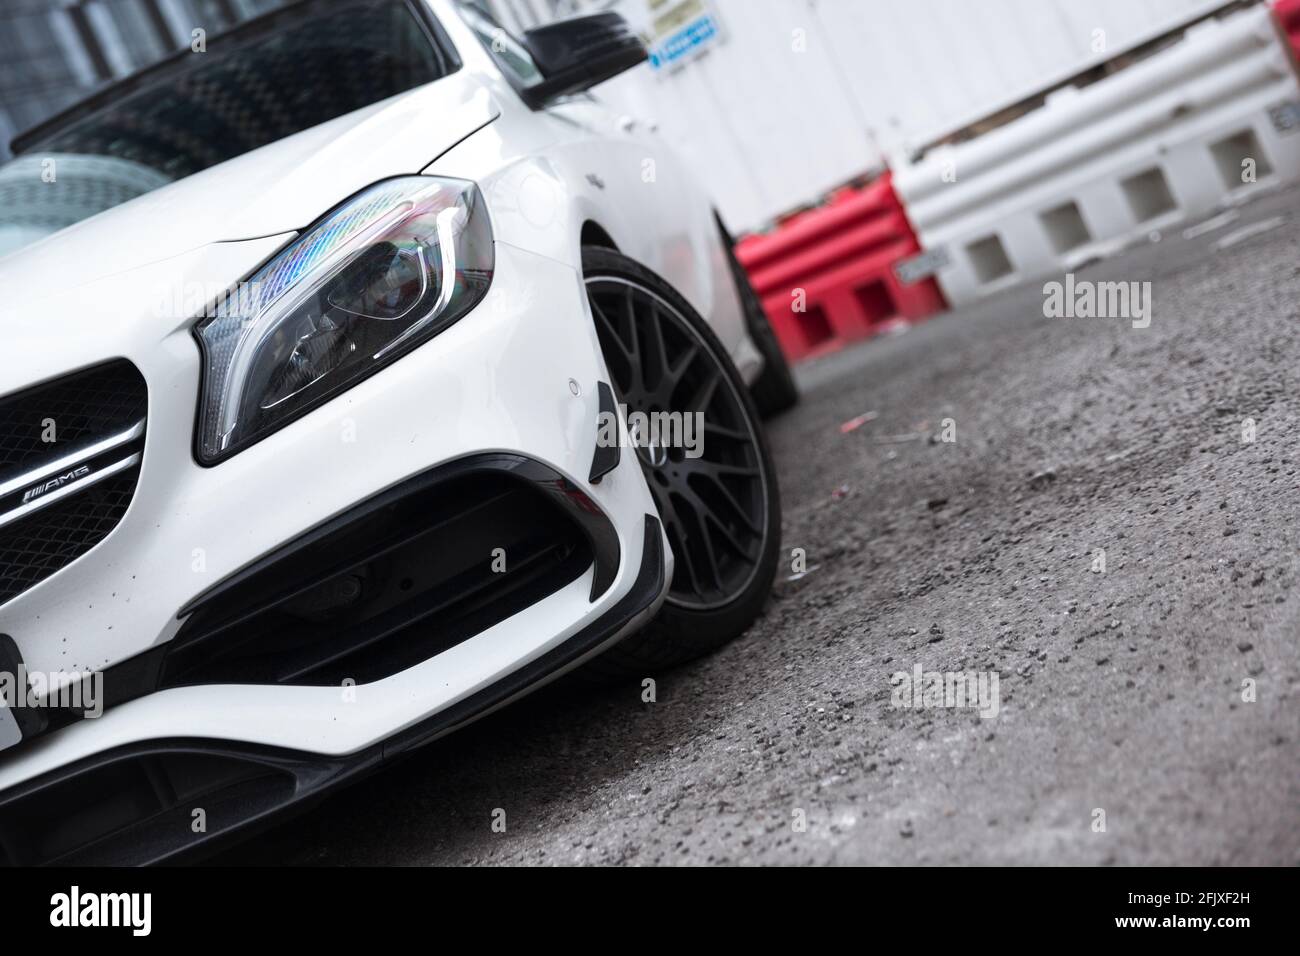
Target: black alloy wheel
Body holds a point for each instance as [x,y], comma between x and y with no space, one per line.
[707,466]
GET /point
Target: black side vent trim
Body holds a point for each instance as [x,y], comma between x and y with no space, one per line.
[606,456]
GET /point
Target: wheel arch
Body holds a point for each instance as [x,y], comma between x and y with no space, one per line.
[594,234]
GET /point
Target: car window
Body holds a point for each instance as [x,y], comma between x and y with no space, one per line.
[259,83]
[506,49]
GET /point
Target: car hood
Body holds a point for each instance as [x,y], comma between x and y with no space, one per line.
[276,189]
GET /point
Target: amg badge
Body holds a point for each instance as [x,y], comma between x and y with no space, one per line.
[54,483]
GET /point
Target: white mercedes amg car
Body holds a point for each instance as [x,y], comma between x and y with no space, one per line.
[360,373]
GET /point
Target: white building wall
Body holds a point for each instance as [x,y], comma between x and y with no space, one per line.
[771,128]
[959,60]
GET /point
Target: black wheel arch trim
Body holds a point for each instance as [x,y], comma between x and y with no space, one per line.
[606,457]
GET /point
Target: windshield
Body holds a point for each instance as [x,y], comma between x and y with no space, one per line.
[268,79]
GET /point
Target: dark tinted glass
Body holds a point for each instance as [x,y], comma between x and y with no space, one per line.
[260,83]
[263,81]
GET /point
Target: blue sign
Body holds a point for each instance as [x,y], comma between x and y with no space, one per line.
[685,42]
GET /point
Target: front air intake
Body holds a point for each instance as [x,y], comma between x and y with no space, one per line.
[396,580]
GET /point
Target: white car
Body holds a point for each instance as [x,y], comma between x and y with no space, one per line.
[360,373]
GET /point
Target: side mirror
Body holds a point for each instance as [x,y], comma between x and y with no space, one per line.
[578,53]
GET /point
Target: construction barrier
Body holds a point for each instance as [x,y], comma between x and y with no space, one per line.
[1193,127]
[1287,13]
[826,276]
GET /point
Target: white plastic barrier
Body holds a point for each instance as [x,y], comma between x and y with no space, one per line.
[1172,137]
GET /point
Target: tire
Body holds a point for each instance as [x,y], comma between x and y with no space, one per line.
[774,390]
[715,507]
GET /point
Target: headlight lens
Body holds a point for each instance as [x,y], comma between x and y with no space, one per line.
[396,264]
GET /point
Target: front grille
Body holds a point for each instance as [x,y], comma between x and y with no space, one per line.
[34,548]
[78,409]
[69,463]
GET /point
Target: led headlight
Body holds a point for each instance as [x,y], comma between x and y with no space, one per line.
[396,264]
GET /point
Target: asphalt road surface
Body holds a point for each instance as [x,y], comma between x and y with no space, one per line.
[1123,693]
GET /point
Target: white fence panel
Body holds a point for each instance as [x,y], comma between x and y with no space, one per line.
[926,67]
[1174,136]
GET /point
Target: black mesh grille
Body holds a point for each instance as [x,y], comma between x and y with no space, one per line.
[34,548]
[77,411]
[81,408]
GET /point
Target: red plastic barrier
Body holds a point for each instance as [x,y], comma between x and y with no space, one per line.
[1287,13]
[842,255]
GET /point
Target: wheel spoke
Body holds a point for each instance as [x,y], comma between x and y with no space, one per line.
[677,530]
[702,535]
[677,369]
[708,516]
[605,320]
[629,316]
[716,470]
[626,346]
[656,355]
[735,505]
[711,518]
[735,434]
[703,397]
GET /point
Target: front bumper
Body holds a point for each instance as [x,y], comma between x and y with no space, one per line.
[136,804]
[501,381]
